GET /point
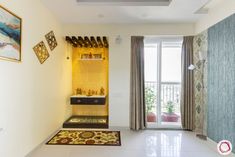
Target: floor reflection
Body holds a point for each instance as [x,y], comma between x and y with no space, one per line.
[163,145]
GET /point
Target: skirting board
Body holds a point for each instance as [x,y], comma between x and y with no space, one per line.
[42,143]
[213,145]
[118,128]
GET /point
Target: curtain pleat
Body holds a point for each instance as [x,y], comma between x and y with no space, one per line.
[137,100]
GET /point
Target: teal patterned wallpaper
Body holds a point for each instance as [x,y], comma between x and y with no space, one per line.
[221,81]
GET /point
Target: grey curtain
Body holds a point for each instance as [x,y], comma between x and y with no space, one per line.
[137,102]
[187,85]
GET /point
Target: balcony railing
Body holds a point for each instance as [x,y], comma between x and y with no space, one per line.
[170,92]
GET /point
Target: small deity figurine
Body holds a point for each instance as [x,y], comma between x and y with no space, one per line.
[90,55]
[101,91]
[89,93]
[79,91]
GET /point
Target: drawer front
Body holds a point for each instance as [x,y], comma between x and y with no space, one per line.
[87,101]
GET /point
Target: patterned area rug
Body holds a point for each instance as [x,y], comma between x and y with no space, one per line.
[82,137]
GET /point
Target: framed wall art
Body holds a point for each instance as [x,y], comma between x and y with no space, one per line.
[10,35]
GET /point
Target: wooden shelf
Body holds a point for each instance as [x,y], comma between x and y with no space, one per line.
[85,96]
[87,100]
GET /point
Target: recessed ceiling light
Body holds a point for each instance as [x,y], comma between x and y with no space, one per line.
[125,2]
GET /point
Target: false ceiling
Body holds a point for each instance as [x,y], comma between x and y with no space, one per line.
[121,11]
[125,2]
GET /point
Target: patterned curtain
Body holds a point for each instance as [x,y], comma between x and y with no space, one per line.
[137,102]
[187,86]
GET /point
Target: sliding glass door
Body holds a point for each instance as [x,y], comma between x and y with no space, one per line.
[162,82]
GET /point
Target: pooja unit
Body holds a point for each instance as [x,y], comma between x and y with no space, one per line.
[90,61]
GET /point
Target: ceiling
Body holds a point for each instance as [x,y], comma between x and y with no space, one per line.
[178,11]
[125,2]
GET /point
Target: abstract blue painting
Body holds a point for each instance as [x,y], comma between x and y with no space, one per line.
[10,35]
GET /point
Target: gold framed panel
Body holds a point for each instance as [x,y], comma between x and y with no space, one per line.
[41,52]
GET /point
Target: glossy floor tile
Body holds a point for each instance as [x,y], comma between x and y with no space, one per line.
[149,143]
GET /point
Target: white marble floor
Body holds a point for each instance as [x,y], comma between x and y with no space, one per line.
[149,143]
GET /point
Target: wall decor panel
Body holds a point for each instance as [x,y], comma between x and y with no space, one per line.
[221,81]
[200,43]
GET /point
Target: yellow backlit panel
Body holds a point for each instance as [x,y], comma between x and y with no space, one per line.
[90,74]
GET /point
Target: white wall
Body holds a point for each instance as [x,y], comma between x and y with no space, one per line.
[218,12]
[119,70]
[33,97]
